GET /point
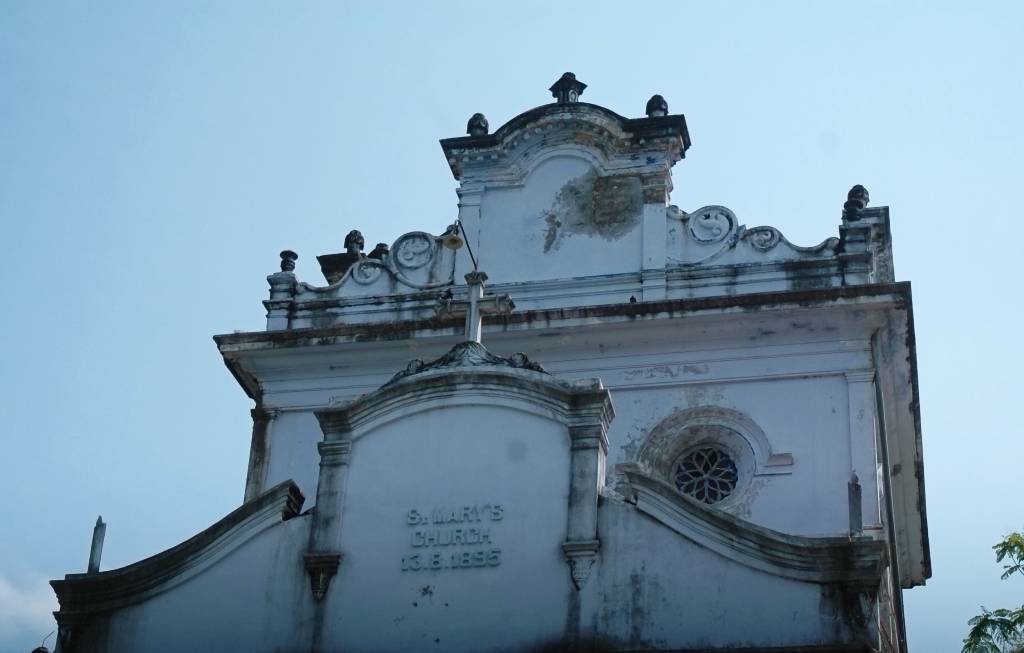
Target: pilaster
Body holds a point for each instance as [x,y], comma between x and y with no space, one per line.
[471,196]
[654,224]
[324,554]
[863,443]
[865,251]
[259,453]
[279,306]
[588,449]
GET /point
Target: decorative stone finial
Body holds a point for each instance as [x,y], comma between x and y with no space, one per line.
[288,258]
[477,125]
[856,201]
[380,251]
[656,107]
[567,89]
[354,242]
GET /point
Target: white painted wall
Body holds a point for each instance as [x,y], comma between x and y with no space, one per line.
[804,417]
[657,590]
[292,452]
[255,599]
[792,385]
[462,456]
[517,242]
[651,588]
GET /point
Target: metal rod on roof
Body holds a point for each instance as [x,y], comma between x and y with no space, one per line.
[469,247]
[98,533]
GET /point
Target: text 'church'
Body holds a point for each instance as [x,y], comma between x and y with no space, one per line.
[578,419]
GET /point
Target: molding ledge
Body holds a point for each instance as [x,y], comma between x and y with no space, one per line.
[853,561]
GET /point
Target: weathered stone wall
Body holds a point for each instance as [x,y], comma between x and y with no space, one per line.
[255,599]
[452,530]
[792,386]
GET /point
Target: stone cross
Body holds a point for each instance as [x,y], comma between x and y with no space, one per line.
[477,305]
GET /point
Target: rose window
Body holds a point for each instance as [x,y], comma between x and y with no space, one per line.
[707,474]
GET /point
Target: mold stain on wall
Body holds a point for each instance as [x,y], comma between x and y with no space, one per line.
[591,205]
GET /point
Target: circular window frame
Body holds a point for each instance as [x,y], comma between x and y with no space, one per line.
[709,477]
[690,429]
[710,436]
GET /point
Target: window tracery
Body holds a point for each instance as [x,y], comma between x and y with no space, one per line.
[708,474]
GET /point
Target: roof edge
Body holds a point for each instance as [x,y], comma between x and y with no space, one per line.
[856,561]
[403,330]
[637,126]
[81,594]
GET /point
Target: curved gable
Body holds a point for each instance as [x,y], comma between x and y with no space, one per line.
[466,473]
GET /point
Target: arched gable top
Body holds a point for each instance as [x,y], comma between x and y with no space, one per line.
[471,375]
[582,111]
[585,125]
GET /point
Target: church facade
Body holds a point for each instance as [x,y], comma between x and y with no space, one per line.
[579,418]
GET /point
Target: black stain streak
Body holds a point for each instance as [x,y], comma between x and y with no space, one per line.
[551,235]
[608,207]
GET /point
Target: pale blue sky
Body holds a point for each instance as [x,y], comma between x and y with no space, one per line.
[155,157]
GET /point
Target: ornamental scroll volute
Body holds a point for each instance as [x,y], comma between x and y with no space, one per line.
[416,262]
[712,235]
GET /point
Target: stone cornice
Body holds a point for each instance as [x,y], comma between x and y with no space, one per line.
[854,561]
[879,295]
[82,594]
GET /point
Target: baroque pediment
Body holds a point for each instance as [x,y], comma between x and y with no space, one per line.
[608,139]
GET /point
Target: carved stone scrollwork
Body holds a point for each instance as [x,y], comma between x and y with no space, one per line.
[366,271]
[712,224]
[467,354]
[321,568]
[413,250]
[763,238]
[581,557]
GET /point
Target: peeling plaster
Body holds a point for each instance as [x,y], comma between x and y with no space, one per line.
[607,207]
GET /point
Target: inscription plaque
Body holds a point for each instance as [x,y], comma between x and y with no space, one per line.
[453,537]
